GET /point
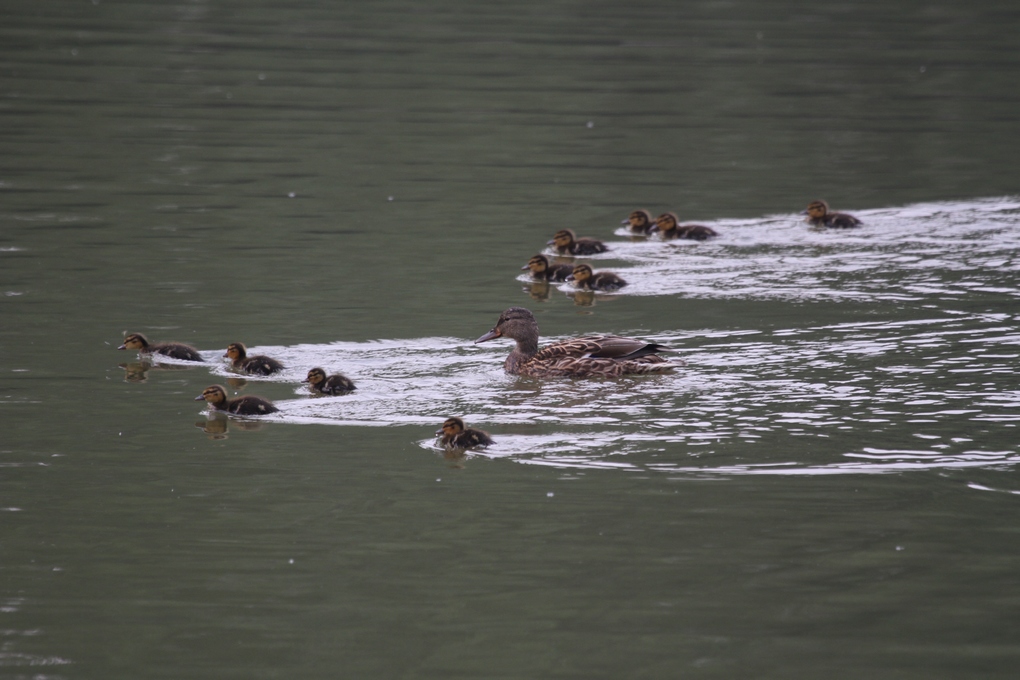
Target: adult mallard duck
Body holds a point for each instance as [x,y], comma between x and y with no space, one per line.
[585,279]
[640,222]
[256,365]
[328,384]
[595,355]
[542,270]
[819,216]
[669,228]
[566,243]
[176,350]
[456,436]
[249,405]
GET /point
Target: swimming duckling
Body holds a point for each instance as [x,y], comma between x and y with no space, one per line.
[640,222]
[669,228]
[595,355]
[542,270]
[819,216]
[248,405]
[585,279]
[456,436]
[258,364]
[566,243]
[176,350]
[332,384]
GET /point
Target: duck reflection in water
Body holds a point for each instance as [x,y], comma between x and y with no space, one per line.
[138,371]
[217,424]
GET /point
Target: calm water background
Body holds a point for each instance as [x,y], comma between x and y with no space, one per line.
[827,489]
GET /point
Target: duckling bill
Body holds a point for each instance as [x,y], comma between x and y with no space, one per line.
[542,270]
[328,384]
[819,216]
[593,355]
[585,279]
[248,405]
[254,365]
[457,436]
[175,350]
[566,243]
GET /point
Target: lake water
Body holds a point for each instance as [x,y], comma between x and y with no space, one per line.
[827,487]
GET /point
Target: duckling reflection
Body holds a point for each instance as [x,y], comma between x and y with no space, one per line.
[259,364]
[542,270]
[819,216]
[584,278]
[138,371]
[249,405]
[640,222]
[217,425]
[538,290]
[668,226]
[174,350]
[456,436]
[334,384]
[565,242]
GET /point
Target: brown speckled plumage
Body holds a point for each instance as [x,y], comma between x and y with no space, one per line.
[668,226]
[457,436]
[585,279]
[328,384]
[249,405]
[256,365]
[819,216]
[542,270]
[566,243]
[596,355]
[176,350]
[640,222]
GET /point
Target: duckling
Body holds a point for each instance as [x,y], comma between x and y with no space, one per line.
[566,243]
[640,222]
[248,405]
[819,216]
[257,365]
[456,436]
[176,350]
[669,228]
[542,270]
[332,384]
[596,355]
[585,279]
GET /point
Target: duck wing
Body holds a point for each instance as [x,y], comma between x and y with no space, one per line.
[598,347]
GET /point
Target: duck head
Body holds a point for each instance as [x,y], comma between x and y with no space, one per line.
[214,394]
[562,239]
[236,351]
[451,427]
[639,220]
[315,376]
[537,264]
[516,323]
[667,221]
[816,209]
[581,273]
[134,341]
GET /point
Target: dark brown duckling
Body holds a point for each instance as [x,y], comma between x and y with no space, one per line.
[595,355]
[819,216]
[566,243]
[328,384]
[669,228]
[256,365]
[249,405]
[456,436]
[585,279]
[176,350]
[542,270]
[640,222]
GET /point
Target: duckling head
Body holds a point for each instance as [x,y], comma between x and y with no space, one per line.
[537,264]
[816,209]
[315,376]
[214,394]
[562,239]
[516,323]
[581,273]
[667,221]
[639,220]
[134,341]
[451,427]
[236,351]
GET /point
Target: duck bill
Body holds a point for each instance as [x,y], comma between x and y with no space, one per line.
[439,432]
[122,347]
[803,212]
[489,336]
[551,242]
[200,397]
[523,269]
[625,222]
[570,278]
